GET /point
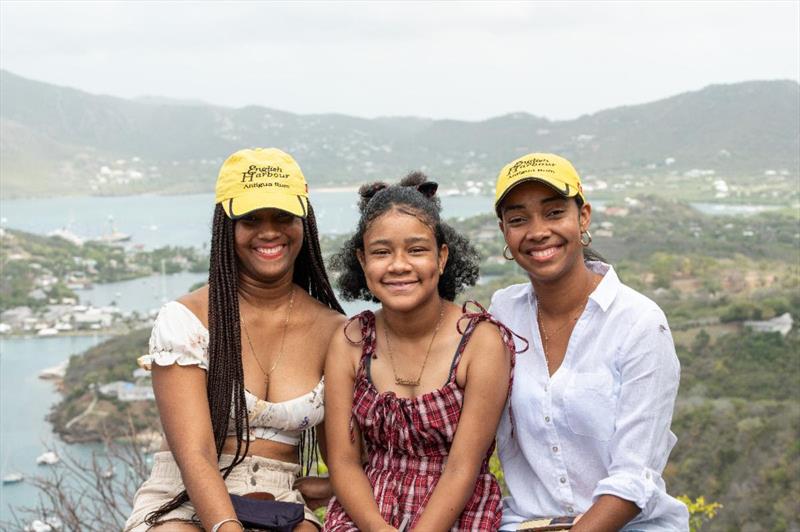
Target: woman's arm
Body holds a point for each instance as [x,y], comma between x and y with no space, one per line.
[486,388]
[182,404]
[649,375]
[608,514]
[316,491]
[350,484]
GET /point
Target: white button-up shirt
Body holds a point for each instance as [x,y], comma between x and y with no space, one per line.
[601,424]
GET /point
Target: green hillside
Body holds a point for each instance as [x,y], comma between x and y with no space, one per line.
[56,140]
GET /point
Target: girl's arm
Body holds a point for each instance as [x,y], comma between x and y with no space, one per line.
[182,404]
[350,484]
[649,375]
[487,378]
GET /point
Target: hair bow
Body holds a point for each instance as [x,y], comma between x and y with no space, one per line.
[428,188]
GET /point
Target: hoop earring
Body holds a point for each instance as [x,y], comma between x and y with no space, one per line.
[506,250]
[585,243]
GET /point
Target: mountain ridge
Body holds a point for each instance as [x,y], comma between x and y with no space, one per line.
[58,140]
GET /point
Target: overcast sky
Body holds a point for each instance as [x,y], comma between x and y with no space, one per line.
[441,60]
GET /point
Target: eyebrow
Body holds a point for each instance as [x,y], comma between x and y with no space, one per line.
[409,240]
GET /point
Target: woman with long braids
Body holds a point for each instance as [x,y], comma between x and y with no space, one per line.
[419,382]
[594,395]
[236,374]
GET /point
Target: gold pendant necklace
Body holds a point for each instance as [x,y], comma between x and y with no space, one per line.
[401,381]
[573,321]
[266,373]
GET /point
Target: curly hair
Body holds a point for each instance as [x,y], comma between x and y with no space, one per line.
[414,195]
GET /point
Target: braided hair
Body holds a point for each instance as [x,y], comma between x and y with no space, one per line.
[225,385]
[414,195]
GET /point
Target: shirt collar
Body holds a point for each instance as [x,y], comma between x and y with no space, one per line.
[604,293]
[608,287]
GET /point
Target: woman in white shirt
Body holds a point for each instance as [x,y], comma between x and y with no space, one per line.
[593,396]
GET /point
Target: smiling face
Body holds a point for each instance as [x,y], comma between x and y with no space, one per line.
[267,244]
[401,260]
[543,229]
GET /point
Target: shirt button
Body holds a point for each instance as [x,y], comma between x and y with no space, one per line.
[563,480]
[546,387]
[547,419]
[255,467]
[555,448]
[570,509]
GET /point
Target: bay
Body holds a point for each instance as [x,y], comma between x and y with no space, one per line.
[25,400]
[146,294]
[154,221]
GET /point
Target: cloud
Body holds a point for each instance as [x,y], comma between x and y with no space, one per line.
[461,60]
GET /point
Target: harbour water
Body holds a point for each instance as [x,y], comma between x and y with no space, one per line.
[25,400]
[155,221]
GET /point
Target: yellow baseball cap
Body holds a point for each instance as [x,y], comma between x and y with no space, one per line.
[547,168]
[261,178]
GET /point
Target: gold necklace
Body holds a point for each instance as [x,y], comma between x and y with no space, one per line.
[409,382]
[267,374]
[546,336]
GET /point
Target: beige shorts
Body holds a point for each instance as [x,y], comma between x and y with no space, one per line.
[253,474]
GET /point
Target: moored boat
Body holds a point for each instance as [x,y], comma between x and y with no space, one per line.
[13,478]
[48,458]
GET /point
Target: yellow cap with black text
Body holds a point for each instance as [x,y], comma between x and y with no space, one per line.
[547,168]
[261,178]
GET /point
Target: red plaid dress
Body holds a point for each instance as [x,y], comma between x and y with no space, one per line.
[408,440]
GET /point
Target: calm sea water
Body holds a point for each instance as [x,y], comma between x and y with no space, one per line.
[25,400]
[155,221]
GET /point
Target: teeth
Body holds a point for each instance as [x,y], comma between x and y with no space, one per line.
[270,250]
[544,253]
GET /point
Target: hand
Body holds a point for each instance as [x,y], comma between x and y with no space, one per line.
[316,491]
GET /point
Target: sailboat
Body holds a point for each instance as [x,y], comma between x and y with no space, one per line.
[13,478]
[48,458]
[114,236]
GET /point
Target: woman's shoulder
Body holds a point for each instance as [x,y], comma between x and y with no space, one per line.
[179,336]
[197,303]
[320,316]
[508,296]
[636,308]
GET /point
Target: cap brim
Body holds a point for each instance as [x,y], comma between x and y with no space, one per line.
[560,187]
[236,208]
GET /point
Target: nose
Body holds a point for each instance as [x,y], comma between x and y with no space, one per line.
[538,229]
[399,263]
[268,229]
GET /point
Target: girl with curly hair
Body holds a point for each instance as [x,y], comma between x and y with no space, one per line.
[418,387]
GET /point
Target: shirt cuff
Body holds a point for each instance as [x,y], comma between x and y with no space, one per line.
[639,489]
